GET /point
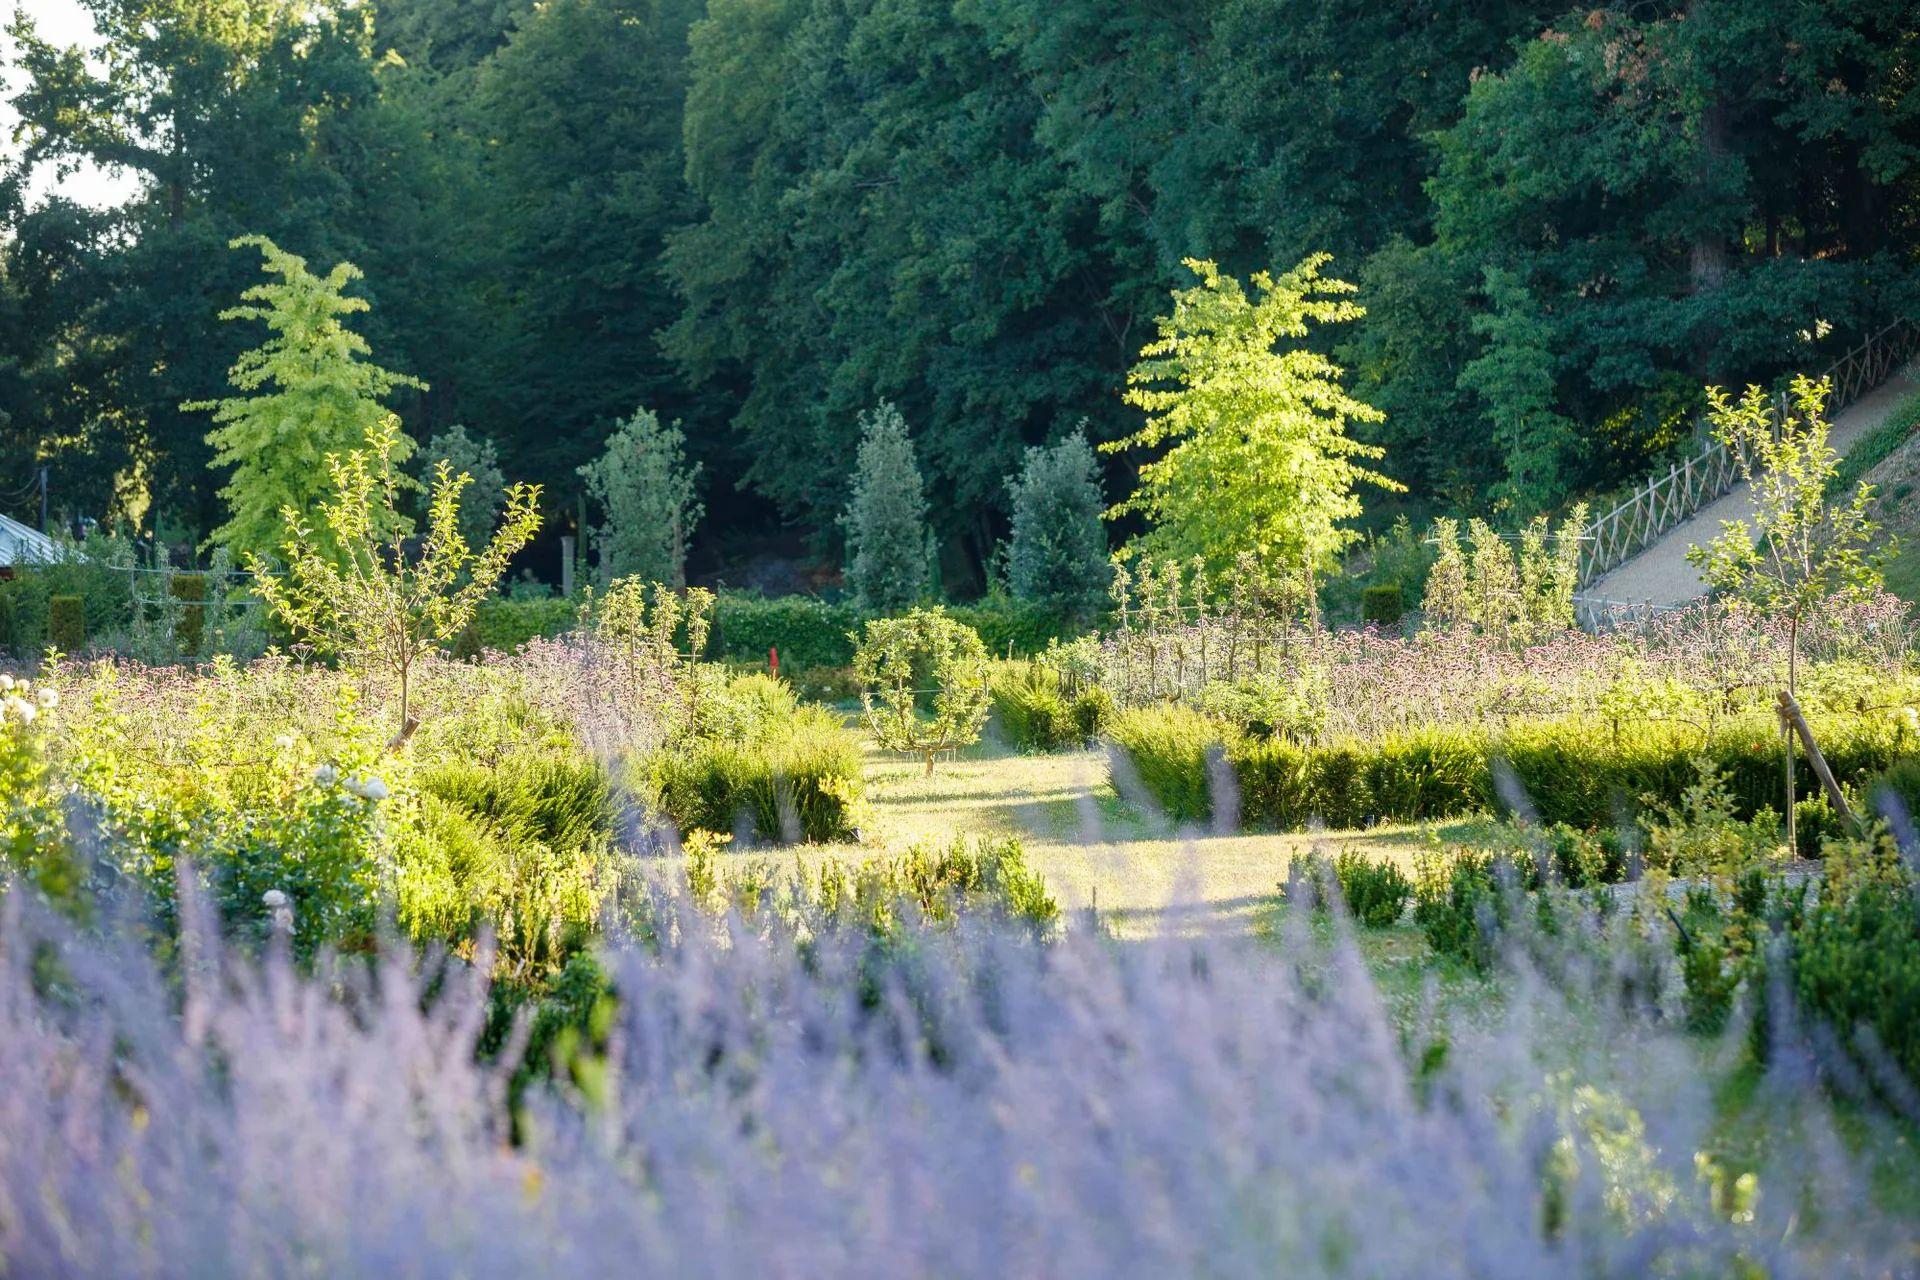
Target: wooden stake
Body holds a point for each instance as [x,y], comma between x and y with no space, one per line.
[1796,718]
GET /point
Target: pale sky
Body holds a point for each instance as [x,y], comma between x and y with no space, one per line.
[63,22]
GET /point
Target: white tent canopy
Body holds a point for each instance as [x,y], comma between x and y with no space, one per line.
[21,544]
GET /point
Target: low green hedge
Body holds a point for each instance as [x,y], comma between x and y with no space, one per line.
[1570,771]
[802,781]
[503,624]
[806,630]
[811,633]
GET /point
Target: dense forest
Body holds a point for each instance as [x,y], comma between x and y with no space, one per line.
[763,217]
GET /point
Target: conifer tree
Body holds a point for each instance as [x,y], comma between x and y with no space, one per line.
[475,456]
[888,543]
[1058,552]
[306,394]
[645,487]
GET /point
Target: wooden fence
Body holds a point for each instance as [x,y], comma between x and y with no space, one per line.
[1668,499]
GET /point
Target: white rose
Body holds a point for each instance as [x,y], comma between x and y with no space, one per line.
[284,741]
[20,707]
[326,775]
[49,698]
[273,898]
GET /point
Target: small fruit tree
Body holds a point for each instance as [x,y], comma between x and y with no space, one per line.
[1806,548]
[375,604]
[923,682]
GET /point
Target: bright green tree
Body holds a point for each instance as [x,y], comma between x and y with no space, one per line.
[1058,552]
[307,393]
[645,488]
[888,550]
[1258,458]
[376,602]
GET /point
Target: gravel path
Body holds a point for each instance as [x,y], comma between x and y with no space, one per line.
[1660,575]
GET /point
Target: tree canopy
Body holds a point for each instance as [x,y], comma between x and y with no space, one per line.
[761,217]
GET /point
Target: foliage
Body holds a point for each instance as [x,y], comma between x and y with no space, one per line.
[468,455]
[373,605]
[1463,902]
[503,625]
[1383,605]
[1375,891]
[1039,708]
[306,394]
[1057,553]
[1802,551]
[889,554]
[1874,448]
[1170,752]
[923,683]
[794,778]
[1856,961]
[1259,461]
[515,846]
[1017,627]
[67,623]
[1518,593]
[645,489]
[1571,771]
[258,780]
[807,631]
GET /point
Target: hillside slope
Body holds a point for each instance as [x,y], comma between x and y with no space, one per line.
[1896,483]
[1661,575]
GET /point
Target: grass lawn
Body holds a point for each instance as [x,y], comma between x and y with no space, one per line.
[1095,848]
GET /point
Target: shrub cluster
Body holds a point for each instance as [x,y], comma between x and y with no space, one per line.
[502,624]
[1037,709]
[757,764]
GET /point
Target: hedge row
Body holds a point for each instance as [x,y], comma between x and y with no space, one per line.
[1566,770]
[809,632]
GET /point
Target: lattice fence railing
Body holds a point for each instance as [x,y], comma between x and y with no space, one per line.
[1668,499]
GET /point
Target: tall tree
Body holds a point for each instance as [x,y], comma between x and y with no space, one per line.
[888,554]
[645,489]
[1057,553]
[1257,460]
[232,119]
[306,394]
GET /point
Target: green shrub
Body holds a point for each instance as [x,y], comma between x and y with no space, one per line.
[1382,605]
[1375,893]
[95,571]
[1571,771]
[505,624]
[1022,628]
[1463,902]
[191,628]
[67,623]
[1899,782]
[807,631]
[517,844]
[1856,959]
[1037,711]
[939,880]
[744,707]
[800,782]
[1167,749]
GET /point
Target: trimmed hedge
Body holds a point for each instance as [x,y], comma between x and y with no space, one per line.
[811,633]
[505,624]
[806,630]
[191,590]
[1023,627]
[1382,604]
[1036,712]
[1570,771]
